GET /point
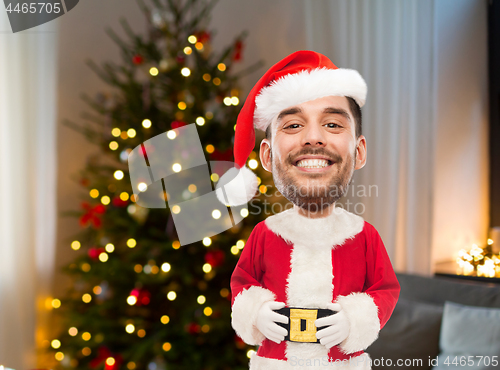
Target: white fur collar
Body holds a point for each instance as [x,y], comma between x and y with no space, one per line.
[329,231]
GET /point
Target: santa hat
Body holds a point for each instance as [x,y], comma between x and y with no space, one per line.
[300,77]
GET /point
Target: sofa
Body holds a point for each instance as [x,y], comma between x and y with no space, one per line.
[441,323]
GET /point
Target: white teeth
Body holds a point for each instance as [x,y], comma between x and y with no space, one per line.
[312,163]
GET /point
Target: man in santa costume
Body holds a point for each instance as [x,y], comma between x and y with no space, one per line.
[325,269]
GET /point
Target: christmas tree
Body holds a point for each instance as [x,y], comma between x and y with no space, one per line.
[140,300]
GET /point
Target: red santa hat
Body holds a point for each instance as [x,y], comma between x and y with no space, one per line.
[300,77]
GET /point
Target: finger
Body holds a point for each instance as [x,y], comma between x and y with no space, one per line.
[326,332]
[331,341]
[276,317]
[324,321]
[276,329]
[274,337]
[276,305]
[334,307]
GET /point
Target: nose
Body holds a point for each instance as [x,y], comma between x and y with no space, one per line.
[313,135]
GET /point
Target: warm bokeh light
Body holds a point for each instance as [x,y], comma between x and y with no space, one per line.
[165,267]
[253,164]
[207,241]
[207,311]
[165,319]
[167,347]
[131,243]
[118,174]
[146,123]
[171,134]
[171,295]
[86,298]
[153,71]
[207,268]
[221,67]
[103,257]
[176,167]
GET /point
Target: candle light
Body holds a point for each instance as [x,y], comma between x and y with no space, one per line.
[495,236]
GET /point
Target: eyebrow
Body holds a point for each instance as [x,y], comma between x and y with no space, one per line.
[329,110]
[288,112]
[340,111]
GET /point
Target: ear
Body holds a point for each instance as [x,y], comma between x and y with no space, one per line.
[360,153]
[265,154]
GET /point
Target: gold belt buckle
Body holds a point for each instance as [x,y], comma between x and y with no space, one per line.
[307,335]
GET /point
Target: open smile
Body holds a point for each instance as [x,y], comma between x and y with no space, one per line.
[313,164]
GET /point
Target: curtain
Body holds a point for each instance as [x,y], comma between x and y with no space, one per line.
[27,187]
[416,61]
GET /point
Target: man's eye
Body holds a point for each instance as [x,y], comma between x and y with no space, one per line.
[333,125]
[293,125]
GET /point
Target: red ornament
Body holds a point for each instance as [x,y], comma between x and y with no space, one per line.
[142,295]
[177,124]
[215,258]
[202,36]
[103,353]
[193,328]
[118,202]
[238,50]
[94,253]
[239,342]
[92,215]
[226,155]
[137,59]
[180,59]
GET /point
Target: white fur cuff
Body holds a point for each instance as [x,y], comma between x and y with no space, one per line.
[362,313]
[245,309]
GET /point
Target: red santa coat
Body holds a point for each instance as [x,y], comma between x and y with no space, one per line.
[308,263]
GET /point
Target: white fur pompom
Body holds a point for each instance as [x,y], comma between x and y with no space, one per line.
[239,186]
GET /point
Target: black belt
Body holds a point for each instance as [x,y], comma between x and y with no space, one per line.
[300,327]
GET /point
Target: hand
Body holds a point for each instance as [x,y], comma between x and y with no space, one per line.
[337,329]
[267,321]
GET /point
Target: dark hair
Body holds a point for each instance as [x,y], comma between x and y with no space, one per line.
[355,111]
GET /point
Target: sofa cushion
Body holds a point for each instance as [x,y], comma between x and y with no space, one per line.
[411,334]
[469,331]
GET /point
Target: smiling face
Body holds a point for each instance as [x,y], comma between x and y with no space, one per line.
[313,152]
